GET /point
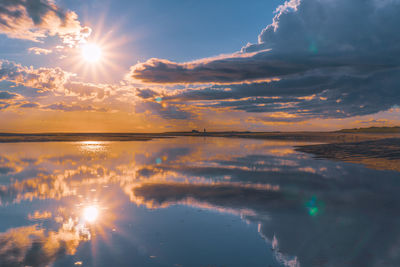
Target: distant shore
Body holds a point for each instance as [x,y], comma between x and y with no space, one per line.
[323,137]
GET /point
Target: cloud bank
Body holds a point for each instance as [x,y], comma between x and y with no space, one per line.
[317,59]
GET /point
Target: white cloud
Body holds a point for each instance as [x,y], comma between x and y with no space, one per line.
[36,19]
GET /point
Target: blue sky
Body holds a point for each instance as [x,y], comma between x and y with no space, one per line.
[156,65]
[178,30]
[181,30]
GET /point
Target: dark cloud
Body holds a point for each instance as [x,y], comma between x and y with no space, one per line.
[333,59]
[262,65]
[220,194]
[5,170]
[165,111]
[358,29]
[30,105]
[7,95]
[146,93]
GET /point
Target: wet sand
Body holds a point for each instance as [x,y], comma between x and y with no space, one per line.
[381,154]
[322,137]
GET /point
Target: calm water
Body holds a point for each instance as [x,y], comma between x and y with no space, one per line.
[192,202]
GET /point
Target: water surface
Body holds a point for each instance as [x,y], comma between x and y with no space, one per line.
[192,201]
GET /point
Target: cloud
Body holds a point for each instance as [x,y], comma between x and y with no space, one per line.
[45,79]
[85,91]
[33,246]
[365,29]
[146,93]
[229,69]
[36,19]
[317,59]
[39,51]
[29,105]
[72,107]
[9,99]
[4,95]
[57,89]
[165,111]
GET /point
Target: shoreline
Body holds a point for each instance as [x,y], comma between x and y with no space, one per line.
[323,137]
[379,151]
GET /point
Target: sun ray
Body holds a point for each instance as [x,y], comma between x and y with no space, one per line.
[96,59]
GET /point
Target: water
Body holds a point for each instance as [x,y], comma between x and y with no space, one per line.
[192,202]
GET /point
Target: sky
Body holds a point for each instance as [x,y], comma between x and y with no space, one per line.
[156,65]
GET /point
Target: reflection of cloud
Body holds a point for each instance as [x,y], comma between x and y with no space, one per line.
[282,217]
[319,214]
[285,260]
[37,215]
[155,195]
[41,187]
[32,246]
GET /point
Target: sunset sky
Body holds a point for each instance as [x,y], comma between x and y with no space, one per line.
[156,65]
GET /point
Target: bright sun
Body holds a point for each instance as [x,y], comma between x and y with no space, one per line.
[90,213]
[91,52]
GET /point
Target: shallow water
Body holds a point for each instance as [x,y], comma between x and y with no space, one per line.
[192,202]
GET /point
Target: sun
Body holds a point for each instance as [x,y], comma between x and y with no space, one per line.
[96,58]
[91,52]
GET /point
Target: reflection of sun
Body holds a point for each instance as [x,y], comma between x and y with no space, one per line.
[90,213]
[96,219]
[93,146]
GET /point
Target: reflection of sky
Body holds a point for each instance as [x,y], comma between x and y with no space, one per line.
[196,202]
